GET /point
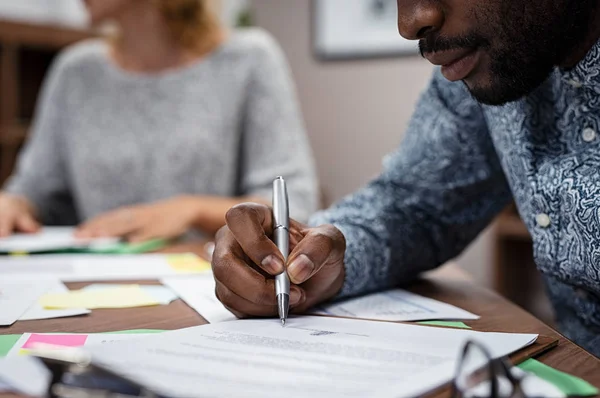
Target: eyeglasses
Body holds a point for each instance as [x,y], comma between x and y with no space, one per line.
[478,375]
[73,376]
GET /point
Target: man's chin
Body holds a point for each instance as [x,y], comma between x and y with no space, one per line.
[494,94]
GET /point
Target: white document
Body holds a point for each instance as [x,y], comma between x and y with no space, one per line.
[24,375]
[394,305]
[82,268]
[36,311]
[18,294]
[69,340]
[198,292]
[309,357]
[50,238]
[161,294]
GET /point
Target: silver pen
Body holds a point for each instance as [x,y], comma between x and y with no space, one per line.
[281,236]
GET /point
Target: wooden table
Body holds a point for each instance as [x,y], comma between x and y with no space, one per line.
[497,314]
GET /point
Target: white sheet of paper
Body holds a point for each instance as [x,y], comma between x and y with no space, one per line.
[24,375]
[395,305]
[83,268]
[310,356]
[36,311]
[162,294]
[19,294]
[49,238]
[91,339]
[198,291]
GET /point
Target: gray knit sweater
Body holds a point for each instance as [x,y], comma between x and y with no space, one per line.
[105,138]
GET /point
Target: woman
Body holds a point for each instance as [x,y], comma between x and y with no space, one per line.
[160,129]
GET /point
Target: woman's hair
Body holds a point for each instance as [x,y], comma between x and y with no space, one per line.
[193,23]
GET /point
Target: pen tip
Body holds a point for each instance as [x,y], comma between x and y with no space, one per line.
[282,322]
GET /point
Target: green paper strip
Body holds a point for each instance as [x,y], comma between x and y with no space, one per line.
[7,341]
[459,325]
[570,385]
[131,248]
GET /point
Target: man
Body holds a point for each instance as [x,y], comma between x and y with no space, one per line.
[522,124]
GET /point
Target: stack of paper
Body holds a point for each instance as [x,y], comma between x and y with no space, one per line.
[17,295]
[394,305]
[198,292]
[49,239]
[76,268]
[37,311]
[311,356]
[161,294]
[71,340]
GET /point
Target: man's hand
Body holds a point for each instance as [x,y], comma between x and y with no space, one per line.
[167,219]
[16,215]
[245,261]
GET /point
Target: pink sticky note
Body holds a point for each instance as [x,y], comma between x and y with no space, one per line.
[63,340]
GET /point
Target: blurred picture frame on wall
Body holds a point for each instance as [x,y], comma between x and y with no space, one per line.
[357,29]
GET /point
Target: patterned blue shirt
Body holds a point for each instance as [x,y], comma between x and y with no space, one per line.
[461,163]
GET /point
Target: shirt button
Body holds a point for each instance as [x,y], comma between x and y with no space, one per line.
[575,83]
[543,220]
[588,134]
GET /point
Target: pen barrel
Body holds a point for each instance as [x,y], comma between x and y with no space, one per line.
[281,213]
[282,284]
[281,236]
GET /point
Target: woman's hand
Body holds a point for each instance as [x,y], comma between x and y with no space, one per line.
[16,215]
[166,219]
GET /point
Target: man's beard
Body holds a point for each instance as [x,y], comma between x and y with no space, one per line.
[524,42]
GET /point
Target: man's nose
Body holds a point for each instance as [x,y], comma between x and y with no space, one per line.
[418,18]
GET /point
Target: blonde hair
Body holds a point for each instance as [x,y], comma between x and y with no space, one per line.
[193,23]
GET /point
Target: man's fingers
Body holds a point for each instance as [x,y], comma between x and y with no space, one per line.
[318,247]
[26,223]
[231,270]
[6,225]
[240,306]
[249,223]
[106,225]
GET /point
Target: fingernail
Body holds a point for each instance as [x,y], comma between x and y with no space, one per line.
[272,264]
[295,296]
[300,269]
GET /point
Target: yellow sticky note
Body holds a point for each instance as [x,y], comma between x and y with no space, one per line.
[186,263]
[118,297]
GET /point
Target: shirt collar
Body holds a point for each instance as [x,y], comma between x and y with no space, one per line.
[587,72]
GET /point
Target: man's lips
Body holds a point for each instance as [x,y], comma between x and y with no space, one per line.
[456,64]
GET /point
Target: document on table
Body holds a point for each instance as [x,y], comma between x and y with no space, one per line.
[310,356]
[17,295]
[394,305]
[69,340]
[78,268]
[36,311]
[161,294]
[49,239]
[198,292]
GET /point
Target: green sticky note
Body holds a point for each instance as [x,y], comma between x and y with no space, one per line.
[7,341]
[130,248]
[569,385]
[459,325]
